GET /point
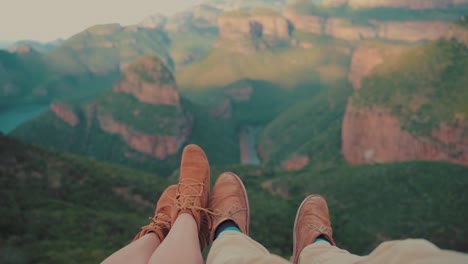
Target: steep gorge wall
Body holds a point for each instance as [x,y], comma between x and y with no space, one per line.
[373,135]
[244,27]
[409,31]
[412,4]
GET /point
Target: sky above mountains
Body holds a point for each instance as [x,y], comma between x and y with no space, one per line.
[47,20]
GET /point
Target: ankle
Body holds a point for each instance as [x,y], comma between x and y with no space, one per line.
[227,225]
[322,239]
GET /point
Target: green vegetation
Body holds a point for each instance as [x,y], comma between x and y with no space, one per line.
[187,47]
[64,209]
[287,67]
[463,21]
[426,86]
[104,48]
[29,79]
[146,118]
[312,127]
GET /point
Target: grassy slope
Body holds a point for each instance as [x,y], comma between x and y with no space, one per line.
[23,73]
[426,86]
[88,138]
[64,209]
[88,50]
[34,81]
[287,66]
[393,201]
[311,127]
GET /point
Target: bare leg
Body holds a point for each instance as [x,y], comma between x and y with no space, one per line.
[181,244]
[138,252]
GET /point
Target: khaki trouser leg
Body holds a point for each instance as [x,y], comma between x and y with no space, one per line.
[235,247]
[411,251]
[324,253]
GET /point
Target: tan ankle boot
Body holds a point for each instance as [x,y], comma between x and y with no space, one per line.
[229,202]
[161,221]
[312,221]
[194,190]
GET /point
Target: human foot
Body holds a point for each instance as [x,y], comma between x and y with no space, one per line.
[194,190]
[229,202]
[161,221]
[312,221]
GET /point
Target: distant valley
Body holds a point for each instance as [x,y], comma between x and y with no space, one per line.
[360,101]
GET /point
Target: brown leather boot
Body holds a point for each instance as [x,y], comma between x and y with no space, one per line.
[194,190]
[312,221]
[229,202]
[161,221]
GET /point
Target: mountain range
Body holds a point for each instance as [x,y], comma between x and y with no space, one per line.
[345,98]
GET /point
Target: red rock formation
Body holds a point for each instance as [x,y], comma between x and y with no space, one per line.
[296,163]
[23,49]
[63,113]
[373,135]
[150,82]
[343,29]
[311,24]
[411,31]
[242,27]
[159,146]
[413,4]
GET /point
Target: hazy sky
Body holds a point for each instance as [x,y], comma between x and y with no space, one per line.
[47,20]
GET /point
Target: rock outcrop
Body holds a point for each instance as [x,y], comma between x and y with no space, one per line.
[413,4]
[246,27]
[105,30]
[151,82]
[373,135]
[296,163]
[410,31]
[143,109]
[65,113]
[159,146]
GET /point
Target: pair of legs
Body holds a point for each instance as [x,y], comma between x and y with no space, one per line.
[187,218]
[178,231]
[183,239]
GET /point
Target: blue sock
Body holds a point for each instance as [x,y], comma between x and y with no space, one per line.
[322,239]
[226,226]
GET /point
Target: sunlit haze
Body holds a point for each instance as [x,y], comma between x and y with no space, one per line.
[47,20]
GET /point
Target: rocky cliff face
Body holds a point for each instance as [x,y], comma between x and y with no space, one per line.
[246,27]
[158,146]
[413,4]
[373,132]
[143,109]
[150,82]
[373,135]
[411,31]
[64,113]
